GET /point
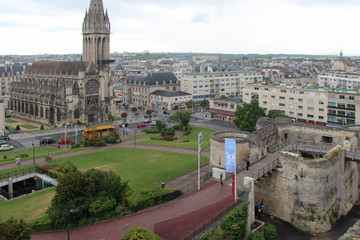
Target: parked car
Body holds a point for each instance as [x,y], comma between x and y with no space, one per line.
[140,125]
[148,120]
[6,147]
[153,123]
[141,108]
[5,137]
[2,142]
[124,125]
[62,141]
[47,141]
[125,104]
[166,112]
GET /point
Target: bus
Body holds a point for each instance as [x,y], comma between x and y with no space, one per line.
[98,132]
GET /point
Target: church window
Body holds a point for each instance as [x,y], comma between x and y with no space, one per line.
[76,113]
[92,87]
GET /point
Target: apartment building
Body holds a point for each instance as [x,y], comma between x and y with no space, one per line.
[339,80]
[215,84]
[312,105]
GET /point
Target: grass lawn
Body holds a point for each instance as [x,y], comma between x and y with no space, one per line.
[28,207]
[28,126]
[144,169]
[8,120]
[6,173]
[40,152]
[192,144]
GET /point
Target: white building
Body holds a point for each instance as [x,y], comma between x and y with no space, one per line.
[339,80]
[312,105]
[215,84]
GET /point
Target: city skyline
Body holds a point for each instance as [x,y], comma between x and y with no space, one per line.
[229,26]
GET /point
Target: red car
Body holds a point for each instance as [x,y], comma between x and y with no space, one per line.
[140,125]
[62,141]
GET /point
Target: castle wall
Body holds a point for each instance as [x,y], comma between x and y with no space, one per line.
[310,193]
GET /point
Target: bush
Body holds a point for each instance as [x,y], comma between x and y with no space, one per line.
[123,114]
[270,232]
[155,200]
[17,128]
[234,224]
[110,139]
[42,127]
[184,139]
[138,233]
[100,143]
[187,130]
[167,138]
[149,112]
[168,131]
[48,159]
[23,155]
[5,157]
[76,145]
[134,109]
[256,236]
[14,229]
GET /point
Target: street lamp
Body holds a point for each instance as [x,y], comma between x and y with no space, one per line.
[33,152]
[74,209]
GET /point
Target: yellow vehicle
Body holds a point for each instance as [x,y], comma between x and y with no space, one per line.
[98,132]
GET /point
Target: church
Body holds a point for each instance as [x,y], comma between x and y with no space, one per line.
[55,93]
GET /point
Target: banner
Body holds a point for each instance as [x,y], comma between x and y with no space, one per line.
[230,155]
[200,141]
[65,129]
[76,130]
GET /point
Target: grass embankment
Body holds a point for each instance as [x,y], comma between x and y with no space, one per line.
[191,144]
[40,152]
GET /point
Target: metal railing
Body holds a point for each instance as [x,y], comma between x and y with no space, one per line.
[211,222]
[194,184]
[266,169]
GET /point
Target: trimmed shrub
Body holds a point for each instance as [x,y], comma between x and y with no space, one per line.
[100,143]
[76,145]
[5,157]
[123,114]
[138,233]
[17,128]
[187,130]
[269,232]
[155,200]
[134,109]
[256,236]
[234,224]
[110,139]
[149,111]
[168,131]
[167,138]
[42,127]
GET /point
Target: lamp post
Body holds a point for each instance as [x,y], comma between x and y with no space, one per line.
[135,137]
[33,152]
[74,209]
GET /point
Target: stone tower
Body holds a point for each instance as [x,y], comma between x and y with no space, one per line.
[96,34]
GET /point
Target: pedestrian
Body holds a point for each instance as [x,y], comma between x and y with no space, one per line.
[49,154]
[221,179]
[257,208]
[262,208]
[247,162]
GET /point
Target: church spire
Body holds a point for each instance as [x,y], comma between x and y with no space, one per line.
[96,33]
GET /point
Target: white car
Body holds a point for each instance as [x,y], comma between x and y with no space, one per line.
[153,123]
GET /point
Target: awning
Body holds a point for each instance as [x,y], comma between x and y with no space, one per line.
[224,112]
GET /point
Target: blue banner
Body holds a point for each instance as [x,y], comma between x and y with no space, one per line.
[230,155]
[76,131]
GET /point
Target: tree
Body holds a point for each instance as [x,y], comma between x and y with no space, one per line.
[276,113]
[189,104]
[149,111]
[222,97]
[17,128]
[182,117]
[247,116]
[204,103]
[123,114]
[14,229]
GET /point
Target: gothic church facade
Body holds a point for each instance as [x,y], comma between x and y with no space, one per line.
[56,93]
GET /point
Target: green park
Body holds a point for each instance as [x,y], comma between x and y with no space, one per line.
[144,170]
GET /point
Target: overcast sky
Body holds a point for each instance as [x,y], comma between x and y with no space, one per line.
[209,26]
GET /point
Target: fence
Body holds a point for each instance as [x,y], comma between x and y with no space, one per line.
[266,169]
[211,222]
[194,185]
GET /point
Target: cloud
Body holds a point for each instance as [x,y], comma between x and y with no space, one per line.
[200,18]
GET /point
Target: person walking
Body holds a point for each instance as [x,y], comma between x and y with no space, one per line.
[257,208]
[247,162]
[262,208]
[221,179]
